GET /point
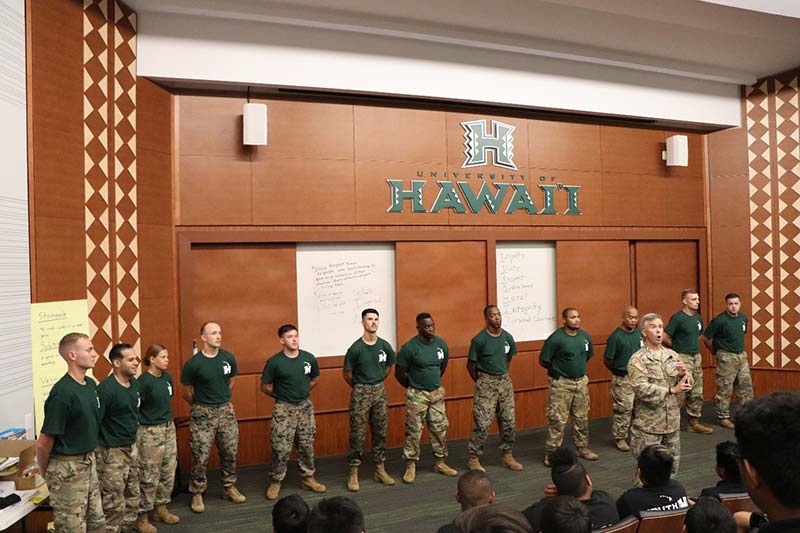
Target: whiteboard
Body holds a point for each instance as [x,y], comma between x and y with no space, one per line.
[526,288]
[335,282]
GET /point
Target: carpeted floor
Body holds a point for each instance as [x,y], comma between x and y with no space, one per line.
[429,502]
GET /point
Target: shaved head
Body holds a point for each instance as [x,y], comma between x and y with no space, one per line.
[474,489]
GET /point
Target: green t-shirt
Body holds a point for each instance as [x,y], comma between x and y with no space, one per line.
[119,412]
[369,362]
[424,362]
[492,353]
[72,416]
[290,376]
[210,376]
[565,355]
[157,395]
[685,331]
[620,347]
[727,332]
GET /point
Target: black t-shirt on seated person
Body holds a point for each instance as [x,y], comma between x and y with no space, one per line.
[669,497]
[600,504]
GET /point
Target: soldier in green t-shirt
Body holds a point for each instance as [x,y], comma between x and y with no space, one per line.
[489,358]
[724,336]
[117,455]
[289,376]
[421,362]
[622,343]
[207,379]
[682,334]
[65,449]
[564,355]
[366,364]
[155,440]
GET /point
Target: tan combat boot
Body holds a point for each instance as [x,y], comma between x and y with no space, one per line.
[162,514]
[588,454]
[197,503]
[474,463]
[440,466]
[622,445]
[143,525]
[273,490]
[726,423]
[352,479]
[411,472]
[232,493]
[309,483]
[382,476]
[696,427]
[509,462]
[546,459]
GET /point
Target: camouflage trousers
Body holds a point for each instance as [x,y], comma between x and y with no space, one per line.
[158,457]
[641,439]
[213,424]
[494,396]
[75,493]
[565,397]
[368,403]
[733,372]
[422,406]
[292,424]
[118,472]
[693,398]
[622,400]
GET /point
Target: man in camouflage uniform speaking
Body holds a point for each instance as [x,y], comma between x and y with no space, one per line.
[725,337]
[490,354]
[564,355]
[366,364]
[207,380]
[65,449]
[622,343]
[289,376]
[657,376]
[421,362]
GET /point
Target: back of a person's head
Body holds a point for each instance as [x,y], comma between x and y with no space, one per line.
[495,518]
[655,465]
[568,475]
[728,459]
[289,514]
[339,514]
[474,489]
[565,514]
[768,433]
[708,515]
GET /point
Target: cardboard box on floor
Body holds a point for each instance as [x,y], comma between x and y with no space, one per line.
[26,451]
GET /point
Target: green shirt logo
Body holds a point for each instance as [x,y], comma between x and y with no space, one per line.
[381,356]
[306,368]
[226,368]
[507,347]
[440,353]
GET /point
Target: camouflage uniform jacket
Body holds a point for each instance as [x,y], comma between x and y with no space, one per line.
[652,373]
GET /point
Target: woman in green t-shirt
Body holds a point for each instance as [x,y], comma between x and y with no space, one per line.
[158,450]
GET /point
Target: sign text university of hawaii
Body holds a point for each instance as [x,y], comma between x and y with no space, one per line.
[460,196]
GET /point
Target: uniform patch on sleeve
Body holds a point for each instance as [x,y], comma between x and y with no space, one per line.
[638,364]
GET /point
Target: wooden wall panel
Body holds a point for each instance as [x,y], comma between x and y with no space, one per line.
[633,150]
[447,280]
[590,197]
[663,271]
[249,290]
[651,200]
[416,136]
[210,126]
[215,190]
[564,146]
[594,276]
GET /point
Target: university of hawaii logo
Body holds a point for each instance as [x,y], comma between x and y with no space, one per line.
[381,356]
[699,326]
[226,368]
[477,142]
[306,368]
[507,347]
[586,345]
[440,354]
[169,388]
[641,343]
[744,327]
[138,400]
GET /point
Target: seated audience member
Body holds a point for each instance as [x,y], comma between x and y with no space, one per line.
[708,515]
[565,514]
[289,514]
[658,491]
[495,518]
[768,432]
[571,479]
[339,514]
[730,481]
[474,489]
[747,521]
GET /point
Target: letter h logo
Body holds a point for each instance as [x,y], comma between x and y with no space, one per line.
[499,141]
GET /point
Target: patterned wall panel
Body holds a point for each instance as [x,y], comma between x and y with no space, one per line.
[109,103]
[772,114]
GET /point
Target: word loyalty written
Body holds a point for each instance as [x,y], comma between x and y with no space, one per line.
[459,197]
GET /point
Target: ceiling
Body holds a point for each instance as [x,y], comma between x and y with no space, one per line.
[728,41]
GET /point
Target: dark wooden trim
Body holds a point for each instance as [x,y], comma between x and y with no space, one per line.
[31,167]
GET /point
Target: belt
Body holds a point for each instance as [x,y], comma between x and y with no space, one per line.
[378,384]
[166,424]
[211,404]
[78,457]
[492,376]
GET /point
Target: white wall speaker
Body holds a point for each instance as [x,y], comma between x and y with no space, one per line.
[677,152]
[255,124]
